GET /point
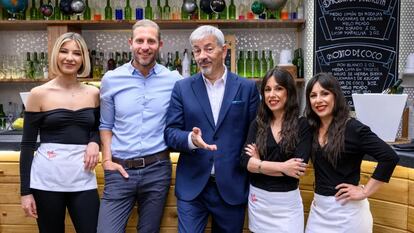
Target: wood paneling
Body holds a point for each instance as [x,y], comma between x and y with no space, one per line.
[410,224]
[389,214]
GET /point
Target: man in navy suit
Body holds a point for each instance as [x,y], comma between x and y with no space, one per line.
[207,121]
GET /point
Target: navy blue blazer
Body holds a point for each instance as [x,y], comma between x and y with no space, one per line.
[190,107]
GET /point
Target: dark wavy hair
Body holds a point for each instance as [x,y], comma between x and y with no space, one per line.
[336,130]
[289,132]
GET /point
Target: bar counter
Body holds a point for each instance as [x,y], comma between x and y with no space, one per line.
[392,206]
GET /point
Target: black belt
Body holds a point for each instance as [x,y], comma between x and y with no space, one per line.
[144,161]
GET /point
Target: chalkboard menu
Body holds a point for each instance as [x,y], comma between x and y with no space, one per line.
[357,41]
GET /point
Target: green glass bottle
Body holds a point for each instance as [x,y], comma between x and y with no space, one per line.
[57,15]
[223,14]
[166,11]
[263,65]
[128,11]
[193,66]
[270,62]
[158,11]
[241,64]
[87,11]
[249,65]
[232,10]
[108,10]
[148,10]
[34,12]
[28,67]
[184,13]
[256,65]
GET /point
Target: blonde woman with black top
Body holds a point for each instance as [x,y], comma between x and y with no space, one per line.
[277,150]
[340,203]
[61,173]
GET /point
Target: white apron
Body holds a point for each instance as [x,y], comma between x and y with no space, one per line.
[328,216]
[60,168]
[271,212]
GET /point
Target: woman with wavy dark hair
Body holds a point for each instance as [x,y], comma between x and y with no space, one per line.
[339,144]
[276,152]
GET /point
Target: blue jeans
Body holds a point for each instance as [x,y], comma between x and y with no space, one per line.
[147,186]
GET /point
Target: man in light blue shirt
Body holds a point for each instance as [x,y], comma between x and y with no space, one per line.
[134,102]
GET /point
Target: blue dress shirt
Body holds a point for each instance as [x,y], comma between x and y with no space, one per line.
[134,107]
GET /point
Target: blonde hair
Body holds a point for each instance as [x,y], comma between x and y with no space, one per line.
[86,63]
[146,23]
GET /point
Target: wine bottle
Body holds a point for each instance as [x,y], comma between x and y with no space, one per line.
[270,61]
[87,11]
[158,11]
[148,10]
[249,65]
[128,11]
[108,10]
[232,10]
[28,67]
[395,88]
[263,65]
[170,64]
[256,65]
[177,62]
[241,64]
[111,64]
[34,12]
[193,66]
[166,11]
[2,118]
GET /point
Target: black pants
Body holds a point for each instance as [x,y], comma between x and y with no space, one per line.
[83,209]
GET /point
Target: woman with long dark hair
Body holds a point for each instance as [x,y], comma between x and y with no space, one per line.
[339,144]
[276,153]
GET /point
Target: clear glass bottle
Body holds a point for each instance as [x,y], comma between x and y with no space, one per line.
[158,11]
[3,118]
[166,11]
[28,67]
[242,10]
[300,10]
[169,64]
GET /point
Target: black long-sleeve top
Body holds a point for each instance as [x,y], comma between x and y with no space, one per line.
[275,154]
[359,141]
[55,126]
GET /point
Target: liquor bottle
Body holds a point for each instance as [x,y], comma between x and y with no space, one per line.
[111,64]
[2,118]
[161,59]
[241,64]
[108,10]
[96,68]
[118,59]
[148,10]
[158,11]
[166,11]
[38,71]
[300,10]
[34,12]
[232,10]
[395,88]
[270,61]
[101,64]
[128,11]
[87,11]
[57,15]
[170,64]
[184,13]
[177,62]
[28,67]
[242,10]
[193,66]
[186,65]
[256,65]
[263,65]
[249,65]
[284,14]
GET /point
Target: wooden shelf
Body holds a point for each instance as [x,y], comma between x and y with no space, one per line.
[21,25]
[42,80]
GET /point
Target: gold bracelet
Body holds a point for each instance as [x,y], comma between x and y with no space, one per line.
[259,169]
